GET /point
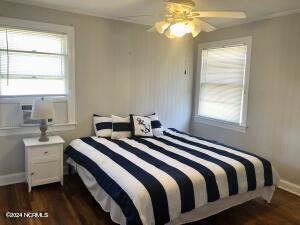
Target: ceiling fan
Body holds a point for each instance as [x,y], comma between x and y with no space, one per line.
[181,19]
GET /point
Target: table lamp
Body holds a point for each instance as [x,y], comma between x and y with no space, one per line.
[42,110]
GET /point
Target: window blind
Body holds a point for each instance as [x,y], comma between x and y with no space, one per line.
[222,83]
[32,62]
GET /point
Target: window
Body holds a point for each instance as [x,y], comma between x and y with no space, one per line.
[36,60]
[32,62]
[223,82]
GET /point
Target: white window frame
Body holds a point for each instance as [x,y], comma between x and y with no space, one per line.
[215,122]
[69,77]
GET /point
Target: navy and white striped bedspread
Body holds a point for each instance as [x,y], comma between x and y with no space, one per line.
[154,180]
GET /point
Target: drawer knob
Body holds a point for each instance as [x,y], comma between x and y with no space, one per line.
[32,173]
[46,152]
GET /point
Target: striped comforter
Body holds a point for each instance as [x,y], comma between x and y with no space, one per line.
[156,179]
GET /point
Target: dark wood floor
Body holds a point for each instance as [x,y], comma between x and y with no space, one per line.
[74,205]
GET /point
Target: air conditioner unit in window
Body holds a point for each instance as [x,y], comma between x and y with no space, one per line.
[26,121]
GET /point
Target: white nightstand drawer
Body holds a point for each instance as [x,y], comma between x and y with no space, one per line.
[45,151]
[45,172]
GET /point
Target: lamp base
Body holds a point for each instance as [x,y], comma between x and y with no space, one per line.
[43,129]
[43,138]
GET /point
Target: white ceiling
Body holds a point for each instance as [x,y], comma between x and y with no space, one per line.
[255,9]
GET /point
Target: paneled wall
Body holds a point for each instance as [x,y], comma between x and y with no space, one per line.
[120,69]
[274,94]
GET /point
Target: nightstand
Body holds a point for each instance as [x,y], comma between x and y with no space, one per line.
[43,161]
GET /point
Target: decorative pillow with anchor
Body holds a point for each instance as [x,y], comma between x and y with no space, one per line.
[141,126]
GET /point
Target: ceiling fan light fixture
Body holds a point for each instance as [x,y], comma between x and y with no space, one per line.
[181,19]
[196,32]
[161,26]
[180,29]
[195,28]
[169,35]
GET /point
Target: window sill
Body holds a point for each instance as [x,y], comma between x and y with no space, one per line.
[221,124]
[8,131]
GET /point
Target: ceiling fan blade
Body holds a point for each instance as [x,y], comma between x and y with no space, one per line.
[136,16]
[220,14]
[204,26]
[161,26]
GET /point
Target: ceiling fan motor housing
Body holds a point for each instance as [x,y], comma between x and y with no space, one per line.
[180,5]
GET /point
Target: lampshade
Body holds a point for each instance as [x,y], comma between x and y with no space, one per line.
[42,110]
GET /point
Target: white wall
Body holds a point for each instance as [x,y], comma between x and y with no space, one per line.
[120,69]
[274,94]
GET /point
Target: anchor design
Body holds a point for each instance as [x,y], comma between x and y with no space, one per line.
[146,128]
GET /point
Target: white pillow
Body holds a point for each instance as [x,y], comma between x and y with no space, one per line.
[102,126]
[141,126]
[120,127]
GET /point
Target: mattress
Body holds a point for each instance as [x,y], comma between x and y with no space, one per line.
[161,180]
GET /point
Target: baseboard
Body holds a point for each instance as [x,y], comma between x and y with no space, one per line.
[290,187]
[15,178]
[12,178]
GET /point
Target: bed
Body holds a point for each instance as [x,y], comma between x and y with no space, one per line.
[175,178]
